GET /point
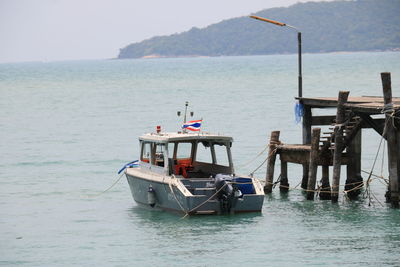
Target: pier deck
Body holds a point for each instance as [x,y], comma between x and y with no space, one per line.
[341,143]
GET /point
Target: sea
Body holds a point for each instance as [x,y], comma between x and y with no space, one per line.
[67,127]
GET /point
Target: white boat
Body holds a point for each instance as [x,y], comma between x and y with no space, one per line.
[191,173]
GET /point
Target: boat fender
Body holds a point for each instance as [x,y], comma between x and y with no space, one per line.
[151,196]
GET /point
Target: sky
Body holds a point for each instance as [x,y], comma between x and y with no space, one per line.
[53,30]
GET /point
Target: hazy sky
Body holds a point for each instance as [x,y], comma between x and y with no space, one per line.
[47,30]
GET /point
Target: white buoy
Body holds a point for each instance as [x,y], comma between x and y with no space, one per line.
[151,196]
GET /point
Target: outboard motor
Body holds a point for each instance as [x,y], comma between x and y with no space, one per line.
[228,194]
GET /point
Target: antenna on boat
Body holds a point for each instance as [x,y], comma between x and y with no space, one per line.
[186,106]
[185,115]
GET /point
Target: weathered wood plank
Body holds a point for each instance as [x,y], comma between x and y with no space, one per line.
[322,120]
[313,166]
[294,157]
[337,154]
[307,119]
[368,122]
[328,120]
[274,140]
[301,157]
[294,147]
[284,184]
[354,178]
[366,104]
[325,193]
[392,142]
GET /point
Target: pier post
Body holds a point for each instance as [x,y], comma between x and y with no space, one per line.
[284,184]
[325,193]
[354,178]
[392,141]
[398,161]
[274,141]
[307,122]
[337,154]
[314,153]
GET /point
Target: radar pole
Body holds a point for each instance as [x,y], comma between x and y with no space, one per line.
[185,115]
[186,106]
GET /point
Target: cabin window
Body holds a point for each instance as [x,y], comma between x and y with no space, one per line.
[146,152]
[171,147]
[221,153]
[159,155]
[204,153]
[184,151]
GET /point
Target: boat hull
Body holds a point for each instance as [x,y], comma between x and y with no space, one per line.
[170,196]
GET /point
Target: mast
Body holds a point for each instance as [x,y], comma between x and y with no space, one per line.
[185,115]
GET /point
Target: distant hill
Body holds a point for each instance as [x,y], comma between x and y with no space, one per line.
[361,25]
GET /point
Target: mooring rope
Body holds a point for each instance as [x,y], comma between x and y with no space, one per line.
[99,194]
[377,176]
[270,154]
[204,202]
[383,159]
[132,164]
[277,181]
[367,193]
[173,193]
[259,154]
[322,189]
[390,113]
[253,159]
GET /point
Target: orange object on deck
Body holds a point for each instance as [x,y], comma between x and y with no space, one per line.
[182,166]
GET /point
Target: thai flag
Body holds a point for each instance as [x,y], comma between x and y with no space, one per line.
[192,125]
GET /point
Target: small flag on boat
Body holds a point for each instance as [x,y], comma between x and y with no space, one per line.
[192,125]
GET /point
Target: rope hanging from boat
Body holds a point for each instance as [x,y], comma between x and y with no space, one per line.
[176,199]
[132,164]
[258,155]
[368,193]
[98,194]
[187,213]
[271,153]
[204,202]
[253,159]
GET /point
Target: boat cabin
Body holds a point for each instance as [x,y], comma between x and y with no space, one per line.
[189,155]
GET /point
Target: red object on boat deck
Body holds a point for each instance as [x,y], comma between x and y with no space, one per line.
[182,166]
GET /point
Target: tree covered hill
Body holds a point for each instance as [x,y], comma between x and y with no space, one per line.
[360,25]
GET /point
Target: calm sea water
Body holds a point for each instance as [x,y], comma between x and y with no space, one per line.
[67,127]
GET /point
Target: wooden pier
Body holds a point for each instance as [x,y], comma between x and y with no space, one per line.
[340,144]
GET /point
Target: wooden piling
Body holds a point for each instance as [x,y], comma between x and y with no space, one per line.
[398,159]
[274,141]
[392,141]
[313,165]
[284,184]
[337,155]
[307,122]
[325,193]
[343,146]
[354,178]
